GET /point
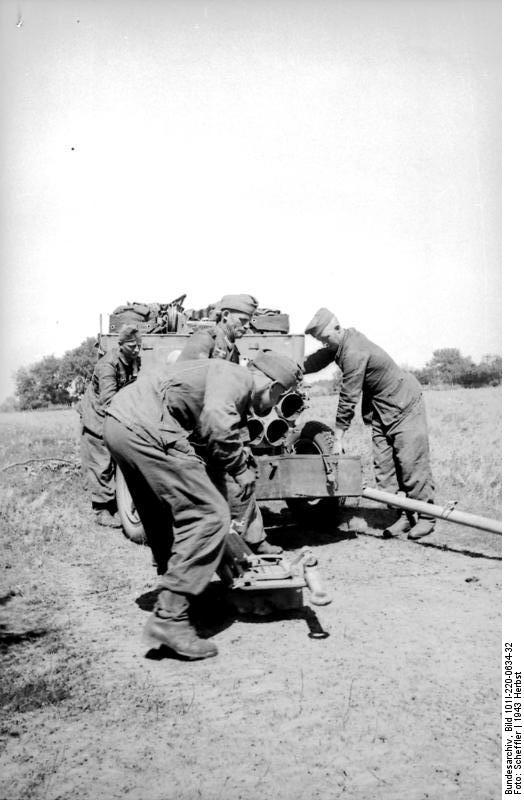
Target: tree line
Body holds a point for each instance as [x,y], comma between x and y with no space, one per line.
[446,368]
[54,381]
[62,381]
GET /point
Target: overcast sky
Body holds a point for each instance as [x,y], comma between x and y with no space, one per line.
[309,152]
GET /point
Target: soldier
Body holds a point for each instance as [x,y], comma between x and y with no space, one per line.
[234,315]
[114,370]
[392,402]
[184,515]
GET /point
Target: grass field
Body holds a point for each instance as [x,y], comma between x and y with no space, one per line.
[414,642]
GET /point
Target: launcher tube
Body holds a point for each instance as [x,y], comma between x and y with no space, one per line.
[290,406]
[276,431]
[441,512]
[255,427]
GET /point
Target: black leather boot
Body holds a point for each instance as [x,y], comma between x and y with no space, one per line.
[169,625]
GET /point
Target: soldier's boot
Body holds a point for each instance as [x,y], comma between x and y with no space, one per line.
[424,527]
[169,625]
[263,548]
[104,518]
[402,524]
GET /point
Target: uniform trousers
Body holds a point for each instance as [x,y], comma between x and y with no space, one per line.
[185,517]
[99,468]
[401,455]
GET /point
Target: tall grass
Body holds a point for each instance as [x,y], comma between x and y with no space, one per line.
[465,443]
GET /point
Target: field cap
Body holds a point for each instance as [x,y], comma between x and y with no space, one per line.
[278,367]
[245,303]
[128,332]
[320,321]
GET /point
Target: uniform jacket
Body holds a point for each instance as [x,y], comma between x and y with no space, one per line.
[209,398]
[388,392]
[210,343]
[111,374]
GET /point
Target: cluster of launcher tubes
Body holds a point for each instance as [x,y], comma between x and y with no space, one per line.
[270,430]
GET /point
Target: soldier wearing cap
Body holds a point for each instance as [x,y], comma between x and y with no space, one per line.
[392,403]
[234,312]
[186,518]
[112,372]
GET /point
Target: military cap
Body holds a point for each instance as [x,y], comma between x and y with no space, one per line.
[244,303]
[128,332]
[278,367]
[321,319]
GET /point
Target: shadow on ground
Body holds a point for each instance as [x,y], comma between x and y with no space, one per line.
[283,530]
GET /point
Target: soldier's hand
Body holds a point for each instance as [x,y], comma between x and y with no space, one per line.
[246,480]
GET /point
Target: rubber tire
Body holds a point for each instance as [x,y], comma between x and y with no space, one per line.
[315,438]
[131,524]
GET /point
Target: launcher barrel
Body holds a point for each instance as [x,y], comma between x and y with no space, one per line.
[449,512]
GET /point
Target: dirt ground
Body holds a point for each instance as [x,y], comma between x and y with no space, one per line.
[392,691]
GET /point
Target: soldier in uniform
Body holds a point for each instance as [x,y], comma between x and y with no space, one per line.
[235,312]
[112,372]
[392,403]
[184,515]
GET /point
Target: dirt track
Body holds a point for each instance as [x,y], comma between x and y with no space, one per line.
[400,701]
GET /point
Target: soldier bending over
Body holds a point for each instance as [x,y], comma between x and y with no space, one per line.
[185,516]
[392,403]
